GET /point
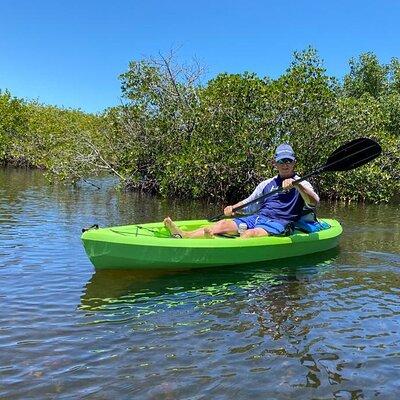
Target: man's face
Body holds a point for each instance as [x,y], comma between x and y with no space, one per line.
[285,167]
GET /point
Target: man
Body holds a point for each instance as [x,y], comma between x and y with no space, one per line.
[275,213]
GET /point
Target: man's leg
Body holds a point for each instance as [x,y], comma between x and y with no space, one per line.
[255,232]
[264,227]
[223,226]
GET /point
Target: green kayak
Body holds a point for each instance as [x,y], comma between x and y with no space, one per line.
[149,246]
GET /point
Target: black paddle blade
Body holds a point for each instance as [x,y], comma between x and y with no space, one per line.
[352,155]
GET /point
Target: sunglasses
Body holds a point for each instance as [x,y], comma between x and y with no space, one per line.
[285,161]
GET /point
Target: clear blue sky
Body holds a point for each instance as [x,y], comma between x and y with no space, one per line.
[70,53]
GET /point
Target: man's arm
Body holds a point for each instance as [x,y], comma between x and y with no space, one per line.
[258,191]
[305,189]
[228,210]
[307,193]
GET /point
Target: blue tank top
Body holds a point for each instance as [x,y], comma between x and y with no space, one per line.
[284,207]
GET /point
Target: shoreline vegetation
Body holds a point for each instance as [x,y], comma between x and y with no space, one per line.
[177,137]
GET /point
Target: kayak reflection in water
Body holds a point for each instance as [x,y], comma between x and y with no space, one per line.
[273,215]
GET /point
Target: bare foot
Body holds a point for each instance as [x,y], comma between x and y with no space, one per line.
[208,233]
[172,228]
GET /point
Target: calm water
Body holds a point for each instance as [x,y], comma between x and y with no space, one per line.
[322,327]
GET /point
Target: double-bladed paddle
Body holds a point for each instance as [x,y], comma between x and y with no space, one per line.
[345,158]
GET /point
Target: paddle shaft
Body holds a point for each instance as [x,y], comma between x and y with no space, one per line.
[281,189]
[263,197]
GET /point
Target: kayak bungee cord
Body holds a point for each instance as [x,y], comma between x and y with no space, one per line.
[129,233]
[149,230]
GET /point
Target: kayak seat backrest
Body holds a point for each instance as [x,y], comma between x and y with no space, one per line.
[309,222]
[311,226]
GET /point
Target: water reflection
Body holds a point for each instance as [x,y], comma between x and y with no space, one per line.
[107,287]
[30,193]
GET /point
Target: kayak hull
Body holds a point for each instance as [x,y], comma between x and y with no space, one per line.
[148,246]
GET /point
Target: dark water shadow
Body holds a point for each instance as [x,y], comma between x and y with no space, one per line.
[109,286]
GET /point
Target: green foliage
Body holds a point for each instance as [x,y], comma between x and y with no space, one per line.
[390,106]
[46,137]
[12,123]
[240,118]
[178,137]
[367,75]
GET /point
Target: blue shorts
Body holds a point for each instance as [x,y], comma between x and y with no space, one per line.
[259,221]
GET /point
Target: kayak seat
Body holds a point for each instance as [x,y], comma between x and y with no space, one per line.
[309,222]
